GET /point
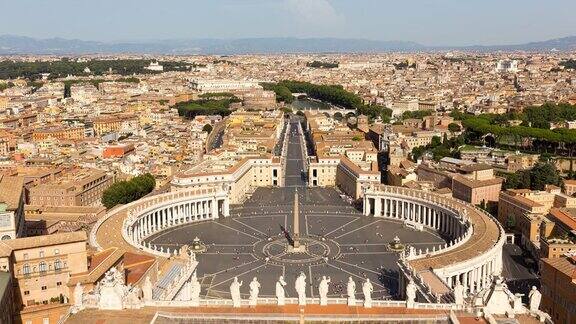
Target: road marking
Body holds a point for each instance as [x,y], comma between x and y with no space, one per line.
[240,231]
[352,221]
[357,229]
[250,227]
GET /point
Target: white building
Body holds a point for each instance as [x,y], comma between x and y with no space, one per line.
[510,66]
[155,66]
[223,85]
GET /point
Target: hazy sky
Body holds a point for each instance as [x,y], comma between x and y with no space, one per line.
[430,22]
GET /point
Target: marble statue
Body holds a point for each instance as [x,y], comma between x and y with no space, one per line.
[280,296]
[323,290]
[367,289]
[459,293]
[132,298]
[535,297]
[235,292]
[112,291]
[147,289]
[300,286]
[410,294]
[254,291]
[194,290]
[78,293]
[351,291]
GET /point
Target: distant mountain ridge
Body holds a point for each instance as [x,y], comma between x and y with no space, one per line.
[10,44]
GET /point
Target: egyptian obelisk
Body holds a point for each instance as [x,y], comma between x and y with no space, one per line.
[296,237]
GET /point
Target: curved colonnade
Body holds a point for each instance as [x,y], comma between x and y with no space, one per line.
[473,254]
[169,210]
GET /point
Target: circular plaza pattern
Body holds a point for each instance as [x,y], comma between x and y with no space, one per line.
[254,241]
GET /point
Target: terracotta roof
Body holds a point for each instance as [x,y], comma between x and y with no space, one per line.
[11,189]
[563,265]
[566,216]
[38,241]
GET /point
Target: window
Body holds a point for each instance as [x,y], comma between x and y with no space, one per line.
[59,283]
[57,265]
[44,287]
[26,269]
[26,292]
[42,267]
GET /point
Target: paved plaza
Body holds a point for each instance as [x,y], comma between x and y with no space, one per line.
[340,242]
[253,241]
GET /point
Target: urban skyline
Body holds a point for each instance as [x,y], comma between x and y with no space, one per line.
[284,180]
[431,23]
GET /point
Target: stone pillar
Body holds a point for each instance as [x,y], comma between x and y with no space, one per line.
[385,207]
[377,206]
[214,203]
[226,207]
[366,205]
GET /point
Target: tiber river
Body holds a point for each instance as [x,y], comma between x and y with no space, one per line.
[309,104]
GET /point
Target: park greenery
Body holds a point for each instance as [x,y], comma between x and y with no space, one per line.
[418,114]
[283,94]
[335,95]
[123,192]
[322,65]
[569,64]
[215,104]
[537,178]
[439,148]
[532,134]
[6,85]
[64,67]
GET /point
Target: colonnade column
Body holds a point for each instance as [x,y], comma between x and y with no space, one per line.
[366,206]
[377,206]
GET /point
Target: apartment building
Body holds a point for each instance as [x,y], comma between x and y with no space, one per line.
[77,187]
[343,158]
[526,211]
[558,233]
[40,269]
[121,123]
[59,133]
[474,183]
[558,287]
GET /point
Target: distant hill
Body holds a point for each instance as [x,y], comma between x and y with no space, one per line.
[10,44]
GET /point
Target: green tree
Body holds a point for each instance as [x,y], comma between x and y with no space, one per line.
[123,192]
[454,128]
[543,174]
[207,128]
